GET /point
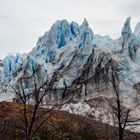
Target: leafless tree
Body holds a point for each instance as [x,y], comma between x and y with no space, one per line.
[34,119]
[121,113]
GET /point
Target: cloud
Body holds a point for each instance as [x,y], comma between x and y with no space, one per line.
[131,8]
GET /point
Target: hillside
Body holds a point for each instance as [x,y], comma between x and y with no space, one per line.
[60,125]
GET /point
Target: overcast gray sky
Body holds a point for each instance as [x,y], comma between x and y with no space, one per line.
[23,21]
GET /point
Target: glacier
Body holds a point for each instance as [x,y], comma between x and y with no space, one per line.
[67,47]
[81,61]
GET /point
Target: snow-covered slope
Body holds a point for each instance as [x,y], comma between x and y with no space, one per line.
[83,62]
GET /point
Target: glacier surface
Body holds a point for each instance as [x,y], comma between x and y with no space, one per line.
[80,59]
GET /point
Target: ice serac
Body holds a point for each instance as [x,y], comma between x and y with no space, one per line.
[81,49]
[12,65]
[60,34]
[130,43]
[137,43]
[126,34]
[65,45]
[137,30]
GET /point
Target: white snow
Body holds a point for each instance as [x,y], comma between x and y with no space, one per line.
[7,97]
